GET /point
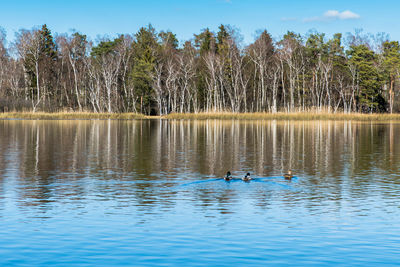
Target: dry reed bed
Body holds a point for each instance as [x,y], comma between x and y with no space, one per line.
[203,116]
[286,116]
[69,116]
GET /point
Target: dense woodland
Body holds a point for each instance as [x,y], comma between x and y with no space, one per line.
[150,72]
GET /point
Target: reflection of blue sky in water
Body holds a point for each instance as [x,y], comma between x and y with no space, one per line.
[272,181]
[109,193]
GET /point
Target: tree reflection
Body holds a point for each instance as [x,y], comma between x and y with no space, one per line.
[142,163]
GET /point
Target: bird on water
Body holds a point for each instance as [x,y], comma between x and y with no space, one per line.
[247,177]
[228,176]
[289,175]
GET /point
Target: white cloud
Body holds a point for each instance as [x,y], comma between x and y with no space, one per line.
[334,15]
[331,14]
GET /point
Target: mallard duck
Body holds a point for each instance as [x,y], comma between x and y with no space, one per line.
[247,177]
[228,176]
[289,175]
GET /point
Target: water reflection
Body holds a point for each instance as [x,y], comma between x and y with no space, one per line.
[141,162]
[131,190]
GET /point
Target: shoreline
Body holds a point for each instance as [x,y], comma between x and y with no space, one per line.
[304,116]
[295,116]
[69,116]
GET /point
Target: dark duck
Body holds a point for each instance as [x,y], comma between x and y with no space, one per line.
[228,176]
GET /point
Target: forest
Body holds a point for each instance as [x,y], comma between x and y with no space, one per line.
[152,73]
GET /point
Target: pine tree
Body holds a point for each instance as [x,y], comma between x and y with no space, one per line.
[146,49]
[369,79]
[391,64]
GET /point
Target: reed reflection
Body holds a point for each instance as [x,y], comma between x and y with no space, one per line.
[142,163]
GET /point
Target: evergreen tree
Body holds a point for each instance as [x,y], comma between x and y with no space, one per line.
[205,41]
[146,50]
[48,60]
[48,49]
[391,64]
[222,38]
[369,79]
[210,72]
[168,39]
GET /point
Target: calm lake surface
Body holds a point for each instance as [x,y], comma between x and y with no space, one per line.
[147,193]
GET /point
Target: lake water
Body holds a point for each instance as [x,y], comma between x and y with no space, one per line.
[149,193]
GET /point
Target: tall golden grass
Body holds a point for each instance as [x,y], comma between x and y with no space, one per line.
[204,116]
[69,115]
[286,116]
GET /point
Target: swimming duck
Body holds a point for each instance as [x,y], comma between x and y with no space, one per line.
[228,176]
[288,176]
[247,177]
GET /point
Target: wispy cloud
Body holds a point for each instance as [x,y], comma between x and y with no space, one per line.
[341,15]
[334,15]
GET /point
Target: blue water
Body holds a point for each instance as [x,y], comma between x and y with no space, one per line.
[108,194]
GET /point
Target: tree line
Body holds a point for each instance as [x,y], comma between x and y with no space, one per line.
[151,73]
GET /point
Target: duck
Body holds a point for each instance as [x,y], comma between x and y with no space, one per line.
[247,177]
[228,176]
[288,176]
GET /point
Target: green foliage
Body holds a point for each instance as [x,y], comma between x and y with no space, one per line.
[141,78]
[369,79]
[336,51]
[146,49]
[205,41]
[48,47]
[391,55]
[315,45]
[168,39]
[106,47]
[222,38]
[79,48]
[391,68]
[45,58]
[266,40]
[335,45]
[293,38]
[315,72]
[146,44]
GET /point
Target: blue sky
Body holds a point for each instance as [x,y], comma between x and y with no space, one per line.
[186,17]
